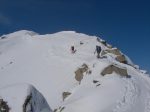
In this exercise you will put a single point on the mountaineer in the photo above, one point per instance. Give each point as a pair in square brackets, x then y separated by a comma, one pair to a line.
[98, 50]
[73, 49]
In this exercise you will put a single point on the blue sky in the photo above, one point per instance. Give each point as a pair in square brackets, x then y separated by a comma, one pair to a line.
[123, 23]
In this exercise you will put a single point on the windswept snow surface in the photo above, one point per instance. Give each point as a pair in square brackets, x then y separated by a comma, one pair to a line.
[46, 62]
[15, 95]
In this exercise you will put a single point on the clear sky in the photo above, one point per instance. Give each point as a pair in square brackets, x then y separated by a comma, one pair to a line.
[123, 23]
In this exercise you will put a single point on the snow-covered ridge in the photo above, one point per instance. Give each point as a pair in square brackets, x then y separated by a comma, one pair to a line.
[19, 34]
[74, 82]
[67, 32]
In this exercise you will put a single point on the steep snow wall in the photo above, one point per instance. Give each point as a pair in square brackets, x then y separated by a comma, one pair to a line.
[23, 98]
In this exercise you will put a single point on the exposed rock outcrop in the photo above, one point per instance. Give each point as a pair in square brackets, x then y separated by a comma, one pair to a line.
[121, 59]
[65, 95]
[4, 106]
[98, 85]
[3, 37]
[104, 43]
[81, 43]
[119, 56]
[114, 51]
[80, 72]
[109, 46]
[95, 81]
[112, 68]
[60, 109]
[28, 104]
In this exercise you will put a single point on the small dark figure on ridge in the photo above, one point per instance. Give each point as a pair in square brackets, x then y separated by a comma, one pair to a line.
[73, 49]
[98, 50]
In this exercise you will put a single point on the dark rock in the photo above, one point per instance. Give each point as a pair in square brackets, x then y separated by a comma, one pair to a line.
[90, 72]
[55, 110]
[65, 95]
[27, 104]
[104, 42]
[3, 37]
[11, 62]
[62, 109]
[98, 85]
[95, 81]
[98, 39]
[81, 43]
[4, 106]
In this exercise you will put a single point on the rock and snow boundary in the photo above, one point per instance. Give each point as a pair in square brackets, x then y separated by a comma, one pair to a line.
[69, 82]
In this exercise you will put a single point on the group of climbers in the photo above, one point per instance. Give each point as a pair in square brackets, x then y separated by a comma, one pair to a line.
[97, 50]
[101, 54]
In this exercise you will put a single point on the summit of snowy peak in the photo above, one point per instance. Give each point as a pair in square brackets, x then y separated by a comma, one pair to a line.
[67, 32]
[72, 33]
[25, 32]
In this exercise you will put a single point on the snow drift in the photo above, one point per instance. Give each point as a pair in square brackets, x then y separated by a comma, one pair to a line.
[23, 98]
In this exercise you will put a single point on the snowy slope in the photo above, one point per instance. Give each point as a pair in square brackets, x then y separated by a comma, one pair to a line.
[16, 96]
[46, 62]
